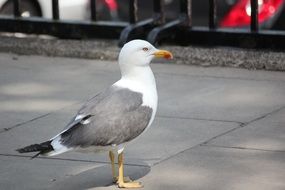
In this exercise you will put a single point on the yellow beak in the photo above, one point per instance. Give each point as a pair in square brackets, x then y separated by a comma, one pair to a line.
[163, 54]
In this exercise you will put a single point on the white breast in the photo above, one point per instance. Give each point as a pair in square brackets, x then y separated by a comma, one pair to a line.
[147, 87]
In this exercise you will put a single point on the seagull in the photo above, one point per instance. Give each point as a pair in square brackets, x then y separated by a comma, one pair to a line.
[114, 117]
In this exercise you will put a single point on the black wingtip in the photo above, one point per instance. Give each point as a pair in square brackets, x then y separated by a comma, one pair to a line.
[20, 150]
[41, 148]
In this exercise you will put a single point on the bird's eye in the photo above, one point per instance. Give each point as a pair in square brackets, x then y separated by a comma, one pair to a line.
[145, 49]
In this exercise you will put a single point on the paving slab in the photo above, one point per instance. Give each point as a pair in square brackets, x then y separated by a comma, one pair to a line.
[167, 137]
[211, 168]
[218, 98]
[19, 173]
[266, 134]
[34, 86]
[98, 177]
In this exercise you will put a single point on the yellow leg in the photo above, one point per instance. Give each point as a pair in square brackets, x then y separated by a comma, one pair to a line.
[112, 158]
[121, 182]
[114, 173]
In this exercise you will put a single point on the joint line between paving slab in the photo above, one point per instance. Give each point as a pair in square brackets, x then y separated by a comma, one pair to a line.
[242, 148]
[72, 160]
[36, 118]
[224, 133]
[244, 125]
[25, 122]
[265, 115]
[205, 142]
[198, 119]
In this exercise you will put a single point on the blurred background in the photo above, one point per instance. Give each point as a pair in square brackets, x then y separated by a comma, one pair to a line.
[230, 13]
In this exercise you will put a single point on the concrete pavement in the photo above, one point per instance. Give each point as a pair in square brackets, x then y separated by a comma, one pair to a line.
[216, 128]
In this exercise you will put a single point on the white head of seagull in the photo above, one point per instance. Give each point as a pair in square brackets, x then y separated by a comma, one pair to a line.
[136, 56]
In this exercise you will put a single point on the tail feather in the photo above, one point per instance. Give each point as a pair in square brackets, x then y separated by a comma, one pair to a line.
[42, 148]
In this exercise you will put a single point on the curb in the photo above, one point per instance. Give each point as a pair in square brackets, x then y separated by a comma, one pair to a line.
[108, 50]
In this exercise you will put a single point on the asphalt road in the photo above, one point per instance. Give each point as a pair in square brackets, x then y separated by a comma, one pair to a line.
[216, 128]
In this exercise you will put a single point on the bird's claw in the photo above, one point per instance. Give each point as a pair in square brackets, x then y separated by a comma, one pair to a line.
[132, 184]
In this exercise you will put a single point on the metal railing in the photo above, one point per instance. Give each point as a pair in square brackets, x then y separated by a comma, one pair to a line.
[154, 29]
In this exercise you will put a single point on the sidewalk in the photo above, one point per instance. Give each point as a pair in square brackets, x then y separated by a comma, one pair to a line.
[216, 128]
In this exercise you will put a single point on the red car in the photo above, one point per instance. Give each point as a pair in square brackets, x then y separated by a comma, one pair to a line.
[230, 13]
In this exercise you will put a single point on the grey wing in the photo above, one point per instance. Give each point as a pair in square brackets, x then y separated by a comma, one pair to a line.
[112, 117]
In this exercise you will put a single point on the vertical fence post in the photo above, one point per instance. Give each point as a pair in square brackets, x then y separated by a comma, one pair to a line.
[55, 10]
[186, 11]
[254, 15]
[93, 10]
[212, 14]
[133, 9]
[159, 11]
[16, 8]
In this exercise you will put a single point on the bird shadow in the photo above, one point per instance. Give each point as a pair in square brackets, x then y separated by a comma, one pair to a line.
[100, 176]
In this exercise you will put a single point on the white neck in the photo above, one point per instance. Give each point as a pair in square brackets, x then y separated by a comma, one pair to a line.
[142, 75]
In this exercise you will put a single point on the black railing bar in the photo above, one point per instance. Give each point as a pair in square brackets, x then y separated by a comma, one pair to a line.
[254, 15]
[212, 14]
[273, 40]
[64, 21]
[16, 10]
[167, 30]
[63, 28]
[133, 9]
[55, 10]
[93, 10]
[164, 31]
[158, 5]
[158, 10]
[186, 11]
[237, 31]
[140, 29]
